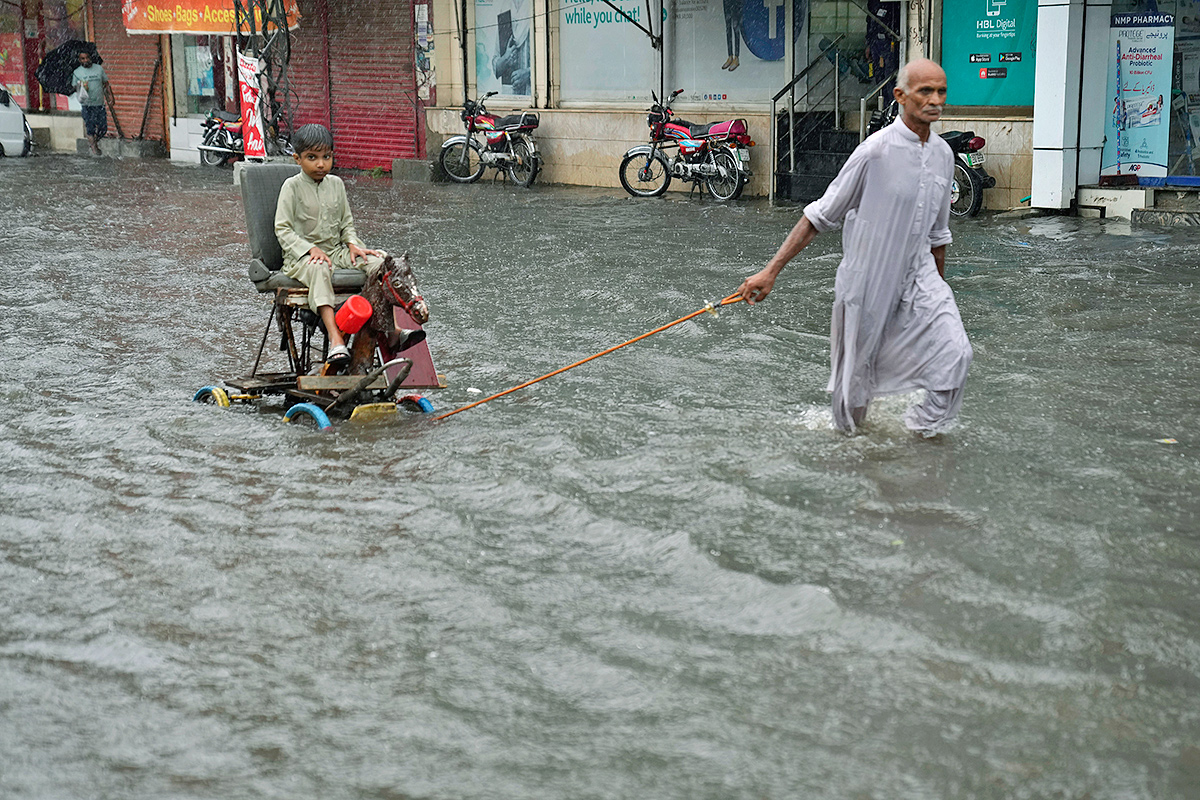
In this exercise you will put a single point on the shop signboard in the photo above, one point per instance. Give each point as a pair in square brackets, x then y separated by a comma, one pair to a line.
[987, 52]
[1136, 125]
[12, 66]
[502, 46]
[195, 17]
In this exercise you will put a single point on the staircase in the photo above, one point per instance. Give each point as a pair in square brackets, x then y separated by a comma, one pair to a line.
[805, 168]
[810, 142]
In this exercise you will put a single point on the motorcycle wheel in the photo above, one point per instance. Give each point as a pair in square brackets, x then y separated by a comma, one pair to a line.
[727, 183]
[525, 167]
[461, 162]
[966, 192]
[215, 138]
[645, 175]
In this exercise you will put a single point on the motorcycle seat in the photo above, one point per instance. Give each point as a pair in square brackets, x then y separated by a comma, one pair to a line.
[958, 139]
[516, 121]
[227, 116]
[260, 185]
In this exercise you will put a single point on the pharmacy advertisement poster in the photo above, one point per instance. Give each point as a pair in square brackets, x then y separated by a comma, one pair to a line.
[1136, 126]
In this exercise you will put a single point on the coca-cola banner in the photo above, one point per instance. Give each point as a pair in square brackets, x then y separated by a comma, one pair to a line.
[252, 124]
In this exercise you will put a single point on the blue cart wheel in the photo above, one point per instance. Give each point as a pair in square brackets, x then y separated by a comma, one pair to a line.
[417, 402]
[212, 395]
[313, 412]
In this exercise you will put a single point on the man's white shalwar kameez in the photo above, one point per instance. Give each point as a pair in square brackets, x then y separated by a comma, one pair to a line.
[895, 325]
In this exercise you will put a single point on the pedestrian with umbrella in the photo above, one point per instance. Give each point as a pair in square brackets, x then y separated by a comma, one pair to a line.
[92, 84]
[76, 66]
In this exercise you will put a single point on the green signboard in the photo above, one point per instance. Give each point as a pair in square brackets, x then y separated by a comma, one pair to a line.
[987, 51]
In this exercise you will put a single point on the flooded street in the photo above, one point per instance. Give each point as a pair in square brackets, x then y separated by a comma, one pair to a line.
[659, 575]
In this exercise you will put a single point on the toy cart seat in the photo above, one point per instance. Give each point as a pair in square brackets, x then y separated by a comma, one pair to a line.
[260, 194]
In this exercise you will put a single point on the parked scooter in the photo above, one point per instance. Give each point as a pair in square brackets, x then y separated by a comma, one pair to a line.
[507, 145]
[223, 139]
[715, 155]
[970, 178]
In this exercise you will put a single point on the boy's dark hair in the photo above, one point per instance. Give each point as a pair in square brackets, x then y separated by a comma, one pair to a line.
[312, 137]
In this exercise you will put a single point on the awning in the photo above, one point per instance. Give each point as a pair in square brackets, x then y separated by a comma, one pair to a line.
[196, 17]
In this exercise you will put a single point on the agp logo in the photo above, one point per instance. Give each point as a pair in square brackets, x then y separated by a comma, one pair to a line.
[994, 6]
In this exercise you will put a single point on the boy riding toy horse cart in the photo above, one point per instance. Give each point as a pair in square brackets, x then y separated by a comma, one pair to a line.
[320, 297]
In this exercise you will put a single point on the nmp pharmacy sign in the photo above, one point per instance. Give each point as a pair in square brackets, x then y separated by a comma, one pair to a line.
[987, 52]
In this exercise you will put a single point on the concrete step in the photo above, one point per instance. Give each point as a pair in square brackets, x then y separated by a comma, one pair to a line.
[802, 187]
[124, 148]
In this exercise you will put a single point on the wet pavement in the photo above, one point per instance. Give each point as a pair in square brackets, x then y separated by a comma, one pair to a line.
[659, 575]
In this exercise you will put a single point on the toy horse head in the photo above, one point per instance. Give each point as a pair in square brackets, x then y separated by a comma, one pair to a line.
[400, 288]
[388, 286]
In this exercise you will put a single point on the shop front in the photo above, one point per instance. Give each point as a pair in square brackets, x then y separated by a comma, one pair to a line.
[590, 67]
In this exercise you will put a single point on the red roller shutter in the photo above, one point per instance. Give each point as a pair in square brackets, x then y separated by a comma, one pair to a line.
[373, 82]
[308, 69]
[129, 62]
[352, 69]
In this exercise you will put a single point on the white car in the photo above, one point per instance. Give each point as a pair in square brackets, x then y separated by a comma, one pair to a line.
[16, 138]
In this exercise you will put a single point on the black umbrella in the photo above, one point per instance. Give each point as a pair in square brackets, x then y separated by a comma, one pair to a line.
[54, 73]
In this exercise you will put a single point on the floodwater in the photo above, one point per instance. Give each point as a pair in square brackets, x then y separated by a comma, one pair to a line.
[659, 575]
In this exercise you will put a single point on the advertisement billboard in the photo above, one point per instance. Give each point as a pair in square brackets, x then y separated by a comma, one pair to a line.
[732, 51]
[987, 52]
[12, 67]
[502, 46]
[1136, 129]
[591, 32]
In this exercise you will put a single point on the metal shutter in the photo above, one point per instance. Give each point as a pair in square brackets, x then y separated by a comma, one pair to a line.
[129, 62]
[372, 82]
[308, 69]
[367, 91]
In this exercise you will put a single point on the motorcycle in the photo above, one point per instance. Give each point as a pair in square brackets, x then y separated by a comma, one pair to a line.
[507, 145]
[970, 178]
[223, 139]
[715, 155]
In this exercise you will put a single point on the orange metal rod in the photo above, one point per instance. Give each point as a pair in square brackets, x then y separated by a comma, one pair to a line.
[733, 298]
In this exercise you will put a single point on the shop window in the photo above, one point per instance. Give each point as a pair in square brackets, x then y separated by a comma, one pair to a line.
[1153, 92]
[502, 46]
[27, 32]
[199, 65]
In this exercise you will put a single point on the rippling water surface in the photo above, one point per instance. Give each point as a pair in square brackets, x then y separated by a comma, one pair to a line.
[660, 575]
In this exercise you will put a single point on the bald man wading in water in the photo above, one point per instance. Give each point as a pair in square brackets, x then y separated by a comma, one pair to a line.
[895, 325]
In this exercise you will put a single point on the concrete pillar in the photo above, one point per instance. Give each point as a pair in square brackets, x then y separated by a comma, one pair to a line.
[1094, 100]
[1056, 102]
[1069, 102]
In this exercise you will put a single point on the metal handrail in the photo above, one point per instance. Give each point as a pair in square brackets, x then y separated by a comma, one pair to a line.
[804, 71]
[862, 104]
[773, 153]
